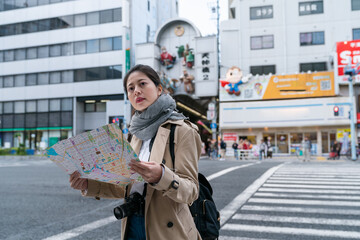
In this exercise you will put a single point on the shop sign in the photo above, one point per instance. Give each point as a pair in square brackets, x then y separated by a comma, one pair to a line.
[304, 85]
[348, 53]
[230, 137]
[205, 62]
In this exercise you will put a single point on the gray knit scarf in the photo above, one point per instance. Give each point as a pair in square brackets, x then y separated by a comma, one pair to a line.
[145, 124]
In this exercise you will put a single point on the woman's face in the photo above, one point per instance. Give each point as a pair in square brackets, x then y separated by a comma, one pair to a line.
[141, 91]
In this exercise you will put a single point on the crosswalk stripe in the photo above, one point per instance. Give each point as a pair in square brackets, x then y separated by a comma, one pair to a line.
[301, 210]
[318, 175]
[355, 173]
[262, 194]
[303, 190]
[309, 186]
[292, 231]
[240, 238]
[317, 179]
[314, 182]
[307, 220]
[304, 202]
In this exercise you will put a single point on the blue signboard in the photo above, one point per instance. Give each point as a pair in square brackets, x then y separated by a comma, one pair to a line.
[213, 125]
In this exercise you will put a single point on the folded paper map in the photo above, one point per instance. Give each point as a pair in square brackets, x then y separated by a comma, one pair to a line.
[102, 154]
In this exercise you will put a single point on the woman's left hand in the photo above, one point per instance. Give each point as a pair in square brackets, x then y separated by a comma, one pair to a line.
[151, 172]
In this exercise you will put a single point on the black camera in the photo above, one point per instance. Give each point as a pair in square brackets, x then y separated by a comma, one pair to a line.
[134, 204]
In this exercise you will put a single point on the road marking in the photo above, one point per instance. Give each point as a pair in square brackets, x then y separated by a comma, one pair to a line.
[298, 190]
[334, 182]
[286, 195]
[306, 220]
[301, 210]
[24, 163]
[292, 231]
[309, 186]
[225, 171]
[82, 229]
[243, 197]
[316, 179]
[304, 202]
[240, 238]
[318, 175]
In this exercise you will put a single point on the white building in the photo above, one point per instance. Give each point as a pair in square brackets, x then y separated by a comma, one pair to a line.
[62, 64]
[286, 37]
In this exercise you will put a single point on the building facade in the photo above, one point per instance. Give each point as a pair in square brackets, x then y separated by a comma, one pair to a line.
[62, 64]
[285, 42]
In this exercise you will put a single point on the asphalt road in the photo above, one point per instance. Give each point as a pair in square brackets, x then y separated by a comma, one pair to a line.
[266, 200]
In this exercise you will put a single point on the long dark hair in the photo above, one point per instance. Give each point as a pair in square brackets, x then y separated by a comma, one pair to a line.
[145, 69]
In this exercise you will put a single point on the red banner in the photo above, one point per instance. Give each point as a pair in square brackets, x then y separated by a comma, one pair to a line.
[348, 52]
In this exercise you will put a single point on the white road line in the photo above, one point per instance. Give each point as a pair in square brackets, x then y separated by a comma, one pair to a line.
[318, 176]
[297, 231]
[262, 194]
[82, 229]
[298, 190]
[301, 210]
[225, 171]
[243, 197]
[304, 202]
[306, 220]
[355, 173]
[316, 179]
[314, 182]
[240, 238]
[309, 186]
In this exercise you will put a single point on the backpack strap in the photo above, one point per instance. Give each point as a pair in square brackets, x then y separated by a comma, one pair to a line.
[172, 150]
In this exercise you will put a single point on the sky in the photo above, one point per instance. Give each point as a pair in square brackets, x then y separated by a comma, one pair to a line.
[199, 12]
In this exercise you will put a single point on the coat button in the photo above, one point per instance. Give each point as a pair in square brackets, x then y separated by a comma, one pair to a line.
[170, 224]
[163, 161]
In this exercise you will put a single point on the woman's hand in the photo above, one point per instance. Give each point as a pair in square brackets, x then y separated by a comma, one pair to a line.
[78, 183]
[151, 172]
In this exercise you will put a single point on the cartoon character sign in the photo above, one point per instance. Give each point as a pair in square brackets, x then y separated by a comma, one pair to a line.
[234, 78]
[187, 79]
[166, 58]
[258, 88]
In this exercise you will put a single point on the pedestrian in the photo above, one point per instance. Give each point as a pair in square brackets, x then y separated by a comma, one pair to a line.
[263, 148]
[222, 149]
[167, 193]
[307, 149]
[240, 146]
[207, 147]
[269, 148]
[236, 153]
[336, 148]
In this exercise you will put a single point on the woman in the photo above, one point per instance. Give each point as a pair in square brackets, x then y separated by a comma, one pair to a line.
[168, 194]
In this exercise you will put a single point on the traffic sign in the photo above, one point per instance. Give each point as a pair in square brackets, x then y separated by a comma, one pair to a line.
[213, 125]
[210, 115]
[125, 131]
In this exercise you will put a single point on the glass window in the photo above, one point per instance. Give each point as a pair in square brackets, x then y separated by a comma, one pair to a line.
[282, 143]
[356, 35]
[55, 1]
[117, 71]
[101, 107]
[66, 120]
[80, 75]
[54, 105]
[19, 107]
[312, 38]
[117, 14]
[42, 120]
[315, 7]
[268, 42]
[262, 42]
[255, 43]
[8, 107]
[66, 21]
[18, 28]
[117, 43]
[54, 121]
[92, 46]
[92, 74]
[20, 54]
[9, 29]
[9, 55]
[67, 76]
[93, 18]
[262, 69]
[89, 107]
[43, 78]
[30, 120]
[262, 12]
[43, 105]
[31, 3]
[355, 5]
[8, 81]
[43, 52]
[106, 16]
[319, 66]
[66, 104]
[55, 77]
[20, 80]
[55, 50]
[1, 56]
[66, 49]
[43, 2]
[31, 79]
[80, 47]
[318, 38]
[9, 4]
[31, 53]
[80, 20]
[44, 25]
[1, 108]
[30, 27]
[1, 83]
[106, 44]
[20, 3]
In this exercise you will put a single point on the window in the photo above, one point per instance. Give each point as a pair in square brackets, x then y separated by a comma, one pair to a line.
[44, 25]
[89, 107]
[8, 107]
[1, 84]
[266, 69]
[55, 50]
[66, 104]
[9, 55]
[147, 33]
[314, 7]
[43, 52]
[148, 5]
[262, 42]
[54, 105]
[92, 46]
[1, 56]
[19, 107]
[43, 105]
[117, 43]
[55, 77]
[43, 78]
[93, 18]
[0, 107]
[106, 16]
[20, 80]
[106, 44]
[30, 106]
[80, 47]
[312, 38]
[79, 75]
[67, 76]
[31, 79]
[31, 53]
[8, 81]
[317, 66]
[232, 13]
[43, 2]
[80, 20]
[20, 54]
[261, 12]
[117, 14]
[117, 71]
[95, 107]
[92, 74]
[356, 34]
[101, 107]
[66, 49]
[355, 5]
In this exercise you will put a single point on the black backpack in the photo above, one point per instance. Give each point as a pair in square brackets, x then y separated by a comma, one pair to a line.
[203, 209]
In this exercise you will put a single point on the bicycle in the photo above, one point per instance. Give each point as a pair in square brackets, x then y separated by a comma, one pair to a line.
[348, 154]
[297, 152]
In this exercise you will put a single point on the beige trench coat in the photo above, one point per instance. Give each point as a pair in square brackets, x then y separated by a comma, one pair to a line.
[167, 215]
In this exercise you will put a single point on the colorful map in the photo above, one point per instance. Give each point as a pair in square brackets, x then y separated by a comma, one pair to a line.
[102, 154]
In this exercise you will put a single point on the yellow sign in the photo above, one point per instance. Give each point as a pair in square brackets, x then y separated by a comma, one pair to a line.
[300, 86]
[341, 133]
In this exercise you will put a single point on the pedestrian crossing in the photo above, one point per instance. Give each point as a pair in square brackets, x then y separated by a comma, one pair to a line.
[24, 163]
[301, 201]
